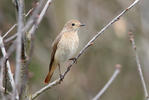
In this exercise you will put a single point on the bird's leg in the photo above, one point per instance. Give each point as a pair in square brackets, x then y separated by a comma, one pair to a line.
[60, 75]
[74, 59]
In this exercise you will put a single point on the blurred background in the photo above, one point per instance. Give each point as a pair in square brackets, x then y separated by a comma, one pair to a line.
[97, 64]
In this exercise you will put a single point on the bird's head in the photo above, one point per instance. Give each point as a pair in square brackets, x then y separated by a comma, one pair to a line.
[73, 25]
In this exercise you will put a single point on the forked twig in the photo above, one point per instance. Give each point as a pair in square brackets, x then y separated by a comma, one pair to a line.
[82, 51]
[15, 35]
[10, 74]
[32, 30]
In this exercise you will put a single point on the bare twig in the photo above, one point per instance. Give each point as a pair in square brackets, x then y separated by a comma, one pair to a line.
[28, 13]
[10, 74]
[1, 76]
[9, 30]
[10, 38]
[102, 91]
[32, 30]
[44, 89]
[5, 76]
[31, 21]
[83, 50]
[131, 36]
[15, 35]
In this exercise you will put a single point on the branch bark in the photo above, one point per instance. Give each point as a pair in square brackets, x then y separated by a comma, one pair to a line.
[58, 81]
[19, 47]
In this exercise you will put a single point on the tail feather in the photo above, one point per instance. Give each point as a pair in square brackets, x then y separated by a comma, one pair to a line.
[48, 78]
[50, 73]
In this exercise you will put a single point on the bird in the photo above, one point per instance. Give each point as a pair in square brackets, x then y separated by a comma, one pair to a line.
[64, 46]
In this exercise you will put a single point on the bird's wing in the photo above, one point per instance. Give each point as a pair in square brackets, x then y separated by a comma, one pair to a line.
[54, 48]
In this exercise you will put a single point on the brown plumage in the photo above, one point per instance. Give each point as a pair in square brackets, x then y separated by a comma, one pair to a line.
[52, 66]
[64, 46]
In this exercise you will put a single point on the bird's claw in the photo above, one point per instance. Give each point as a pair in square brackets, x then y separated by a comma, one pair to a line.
[74, 59]
[61, 77]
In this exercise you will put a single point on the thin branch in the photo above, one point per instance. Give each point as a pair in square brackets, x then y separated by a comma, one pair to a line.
[15, 35]
[102, 91]
[10, 38]
[9, 30]
[1, 76]
[131, 36]
[83, 50]
[36, 94]
[4, 60]
[32, 30]
[32, 20]
[7, 64]
[10, 74]
[29, 12]
[5, 76]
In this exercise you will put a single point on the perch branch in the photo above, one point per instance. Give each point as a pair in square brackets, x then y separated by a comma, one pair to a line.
[54, 83]
[131, 36]
[83, 50]
[102, 91]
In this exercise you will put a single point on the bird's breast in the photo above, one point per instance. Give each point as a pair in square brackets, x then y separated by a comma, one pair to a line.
[67, 47]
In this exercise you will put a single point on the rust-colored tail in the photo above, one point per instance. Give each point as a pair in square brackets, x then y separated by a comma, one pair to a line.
[50, 73]
[48, 77]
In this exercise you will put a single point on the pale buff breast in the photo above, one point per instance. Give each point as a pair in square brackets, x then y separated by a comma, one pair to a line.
[67, 47]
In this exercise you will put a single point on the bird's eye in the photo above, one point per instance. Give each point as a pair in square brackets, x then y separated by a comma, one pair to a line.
[73, 24]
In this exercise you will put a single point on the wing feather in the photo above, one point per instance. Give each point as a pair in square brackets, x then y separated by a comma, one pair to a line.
[54, 48]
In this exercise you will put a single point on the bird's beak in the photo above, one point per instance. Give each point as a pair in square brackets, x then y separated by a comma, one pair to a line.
[82, 25]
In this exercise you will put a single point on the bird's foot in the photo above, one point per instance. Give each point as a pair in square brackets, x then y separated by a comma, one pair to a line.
[61, 77]
[74, 59]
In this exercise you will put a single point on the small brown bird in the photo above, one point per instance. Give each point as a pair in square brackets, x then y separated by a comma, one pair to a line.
[64, 46]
